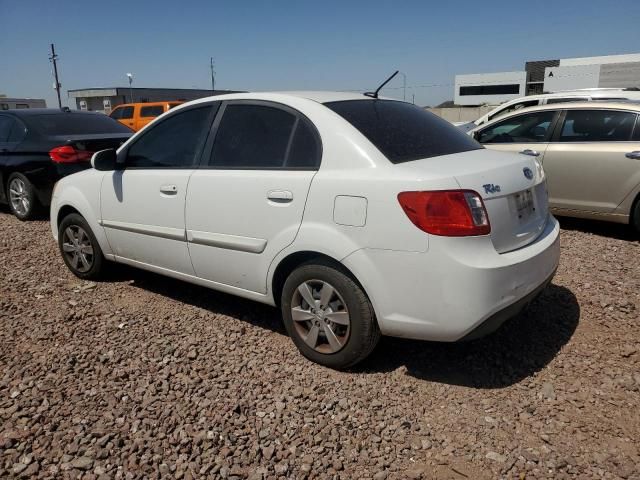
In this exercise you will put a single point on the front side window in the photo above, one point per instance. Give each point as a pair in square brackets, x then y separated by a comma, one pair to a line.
[262, 137]
[525, 128]
[116, 114]
[151, 111]
[172, 143]
[402, 131]
[597, 126]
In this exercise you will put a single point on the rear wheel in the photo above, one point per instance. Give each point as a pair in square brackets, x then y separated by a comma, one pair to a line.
[79, 248]
[328, 316]
[22, 197]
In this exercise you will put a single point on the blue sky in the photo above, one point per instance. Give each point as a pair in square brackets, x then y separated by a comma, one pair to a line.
[284, 45]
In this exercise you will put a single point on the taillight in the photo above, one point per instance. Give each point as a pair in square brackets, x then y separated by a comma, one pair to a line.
[452, 213]
[68, 154]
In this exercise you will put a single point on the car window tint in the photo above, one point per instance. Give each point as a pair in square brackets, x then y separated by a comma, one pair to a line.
[252, 136]
[172, 143]
[636, 132]
[5, 127]
[116, 114]
[526, 128]
[305, 148]
[75, 123]
[597, 126]
[401, 131]
[18, 131]
[151, 111]
[127, 113]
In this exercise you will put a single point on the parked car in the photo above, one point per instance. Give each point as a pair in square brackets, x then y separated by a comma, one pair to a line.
[137, 115]
[38, 146]
[590, 152]
[358, 216]
[580, 95]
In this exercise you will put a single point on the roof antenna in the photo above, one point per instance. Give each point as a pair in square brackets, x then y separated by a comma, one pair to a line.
[375, 94]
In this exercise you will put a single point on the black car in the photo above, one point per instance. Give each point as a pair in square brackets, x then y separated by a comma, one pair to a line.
[41, 145]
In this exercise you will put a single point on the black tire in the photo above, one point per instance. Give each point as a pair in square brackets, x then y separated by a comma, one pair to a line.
[23, 211]
[77, 224]
[363, 332]
[635, 216]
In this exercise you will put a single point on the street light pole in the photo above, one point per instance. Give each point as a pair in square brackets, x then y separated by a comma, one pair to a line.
[53, 58]
[130, 77]
[213, 78]
[404, 86]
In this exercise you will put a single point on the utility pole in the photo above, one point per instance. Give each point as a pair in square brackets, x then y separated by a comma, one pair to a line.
[52, 58]
[213, 78]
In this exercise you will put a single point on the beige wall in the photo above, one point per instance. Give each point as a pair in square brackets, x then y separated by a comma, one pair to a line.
[461, 114]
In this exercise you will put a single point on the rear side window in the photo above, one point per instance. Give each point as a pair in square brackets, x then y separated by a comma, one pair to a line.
[76, 124]
[262, 137]
[401, 131]
[5, 128]
[172, 143]
[597, 126]
[122, 113]
[526, 128]
[151, 111]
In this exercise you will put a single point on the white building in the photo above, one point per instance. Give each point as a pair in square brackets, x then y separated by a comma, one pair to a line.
[621, 71]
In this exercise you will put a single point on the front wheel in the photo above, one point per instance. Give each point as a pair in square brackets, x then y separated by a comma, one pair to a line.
[328, 316]
[79, 248]
[635, 216]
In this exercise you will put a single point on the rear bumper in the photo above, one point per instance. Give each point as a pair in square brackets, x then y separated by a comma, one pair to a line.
[496, 320]
[450, 292]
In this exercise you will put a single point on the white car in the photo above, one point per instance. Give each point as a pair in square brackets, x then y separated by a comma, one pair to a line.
[357, 216]
[580, 95]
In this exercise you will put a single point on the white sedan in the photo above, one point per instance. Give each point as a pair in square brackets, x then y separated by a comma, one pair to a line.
[357, 216]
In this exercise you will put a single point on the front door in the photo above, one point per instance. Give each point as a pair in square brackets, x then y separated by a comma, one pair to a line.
[587, 165]
[143, 204]
[246, 202]
[527, 133]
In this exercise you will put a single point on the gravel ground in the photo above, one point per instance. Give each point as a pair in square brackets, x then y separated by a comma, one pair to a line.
[147, 377]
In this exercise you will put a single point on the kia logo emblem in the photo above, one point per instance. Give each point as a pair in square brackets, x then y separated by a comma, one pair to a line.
[527, 173]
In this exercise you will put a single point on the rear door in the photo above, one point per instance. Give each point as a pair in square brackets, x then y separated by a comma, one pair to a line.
[143, 204]
[245, 203]
[527, 133]
[587, 164]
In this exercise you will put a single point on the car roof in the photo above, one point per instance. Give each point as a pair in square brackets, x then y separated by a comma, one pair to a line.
[316, 96]
[27, 112]
[593, 105]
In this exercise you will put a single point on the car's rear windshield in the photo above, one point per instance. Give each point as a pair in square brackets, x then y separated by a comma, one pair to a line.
[403, 132]
[76, 124]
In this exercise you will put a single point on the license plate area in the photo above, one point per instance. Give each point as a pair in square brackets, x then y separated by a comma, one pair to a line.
[524, 204]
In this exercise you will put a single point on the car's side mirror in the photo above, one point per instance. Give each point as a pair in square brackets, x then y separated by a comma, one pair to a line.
[476, 136]
[105, 160]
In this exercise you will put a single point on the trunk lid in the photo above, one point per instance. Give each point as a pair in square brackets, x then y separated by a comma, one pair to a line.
[512, 187]
[92, 142]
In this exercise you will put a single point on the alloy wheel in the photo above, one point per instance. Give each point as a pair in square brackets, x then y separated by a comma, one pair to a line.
[19, 197]
[320, 316]
[77, 248]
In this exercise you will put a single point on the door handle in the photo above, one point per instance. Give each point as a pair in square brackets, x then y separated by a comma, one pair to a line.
[531, 153]
[169, 189]
[633, 155]
[280, 196]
